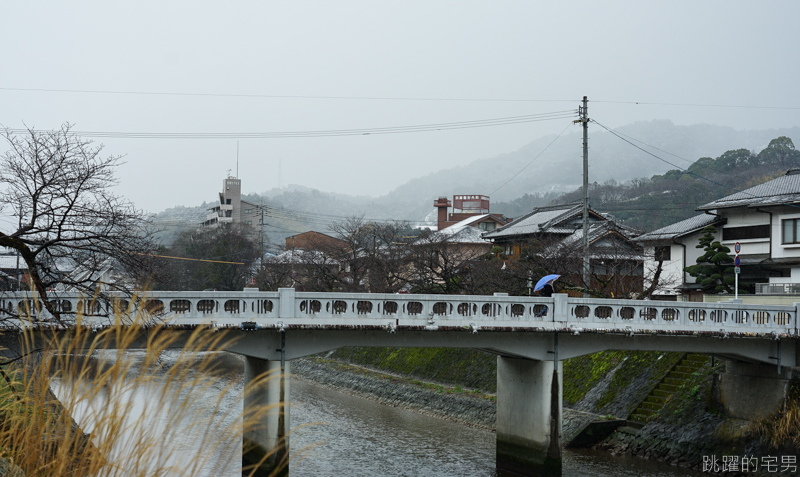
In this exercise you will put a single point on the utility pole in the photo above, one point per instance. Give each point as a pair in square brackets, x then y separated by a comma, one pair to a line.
[584, 118]
[19, 275]
[261, 231]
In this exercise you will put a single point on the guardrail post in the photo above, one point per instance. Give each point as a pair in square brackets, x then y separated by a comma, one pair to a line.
[286, 302]
[796, 315]
[560, 309]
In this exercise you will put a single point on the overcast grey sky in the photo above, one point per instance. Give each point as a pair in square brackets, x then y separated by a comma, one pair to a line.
[710, 52]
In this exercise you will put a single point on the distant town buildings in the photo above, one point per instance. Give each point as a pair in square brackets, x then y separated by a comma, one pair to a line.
[231, 209]
[474, 207]
[555, 235]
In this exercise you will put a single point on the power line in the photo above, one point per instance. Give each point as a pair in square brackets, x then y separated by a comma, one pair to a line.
[381, 98]
[479, 123]
[531, 162]
[189, 259]
[699, 105]
[286, 96]
[681, 168]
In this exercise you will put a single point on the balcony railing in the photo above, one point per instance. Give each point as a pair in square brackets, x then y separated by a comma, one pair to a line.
[777, 288]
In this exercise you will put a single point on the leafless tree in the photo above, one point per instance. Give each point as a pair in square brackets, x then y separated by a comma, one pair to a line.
[274, 272]
[440, 263]
[220, 257]
[71, 226]
[389, 256]
[617, 264]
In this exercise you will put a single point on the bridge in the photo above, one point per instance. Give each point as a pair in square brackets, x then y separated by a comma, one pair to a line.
[530, 336]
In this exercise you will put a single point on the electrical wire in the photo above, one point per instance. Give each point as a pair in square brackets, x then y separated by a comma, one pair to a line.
[479, 123]
[699, 105]
[674, 165]
[285, 96]
[382, 98]
[189, 259]
[531, 162]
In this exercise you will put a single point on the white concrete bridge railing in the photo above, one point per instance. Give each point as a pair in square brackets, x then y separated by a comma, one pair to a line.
[529, 335]
[289, 308]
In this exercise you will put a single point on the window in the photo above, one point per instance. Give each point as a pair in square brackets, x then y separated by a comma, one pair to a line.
[790, 232]
[663, 253]
[744, 233]
[486, 226]
[228, 201]
[248, 211]
[508, 250]
[249, 222]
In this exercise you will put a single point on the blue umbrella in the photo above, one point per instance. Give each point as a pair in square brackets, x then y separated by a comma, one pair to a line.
[544, 281]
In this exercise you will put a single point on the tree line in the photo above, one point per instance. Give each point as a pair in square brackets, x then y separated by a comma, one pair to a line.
[676, 194]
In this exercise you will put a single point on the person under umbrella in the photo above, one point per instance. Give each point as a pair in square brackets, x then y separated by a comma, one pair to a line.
[545, 284]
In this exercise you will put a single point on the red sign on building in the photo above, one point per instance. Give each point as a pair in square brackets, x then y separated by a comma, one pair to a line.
[474, 204]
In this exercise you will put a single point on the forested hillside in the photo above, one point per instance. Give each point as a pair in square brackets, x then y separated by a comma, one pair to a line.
[662, 199]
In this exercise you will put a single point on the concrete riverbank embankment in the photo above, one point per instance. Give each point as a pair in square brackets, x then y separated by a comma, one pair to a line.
[600, 391]
[452, 403]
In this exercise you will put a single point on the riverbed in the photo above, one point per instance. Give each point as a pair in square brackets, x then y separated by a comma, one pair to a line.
[339, 434]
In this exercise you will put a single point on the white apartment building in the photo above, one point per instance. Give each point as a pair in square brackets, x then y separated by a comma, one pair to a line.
[232, 209]
[764, 219]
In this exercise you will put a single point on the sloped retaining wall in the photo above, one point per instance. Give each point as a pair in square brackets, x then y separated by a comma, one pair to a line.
[464, 407]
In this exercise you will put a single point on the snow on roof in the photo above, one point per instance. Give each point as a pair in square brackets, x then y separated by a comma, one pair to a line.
[539, 220]
[679, 229]
[783, 190]
[10, 262]
[463, 232]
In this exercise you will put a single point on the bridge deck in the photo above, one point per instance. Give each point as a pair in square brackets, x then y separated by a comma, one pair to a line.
[288, 308]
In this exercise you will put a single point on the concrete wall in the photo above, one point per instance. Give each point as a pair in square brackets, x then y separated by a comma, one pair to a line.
[753, 391]
[671, 270]
[782, 300]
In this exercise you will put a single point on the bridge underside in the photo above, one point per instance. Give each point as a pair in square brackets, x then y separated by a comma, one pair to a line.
[266, 344]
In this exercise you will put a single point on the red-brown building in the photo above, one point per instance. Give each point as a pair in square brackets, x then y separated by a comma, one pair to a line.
[313, 241]
[465, 207]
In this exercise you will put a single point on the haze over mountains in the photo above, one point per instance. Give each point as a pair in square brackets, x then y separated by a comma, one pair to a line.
[558, 169]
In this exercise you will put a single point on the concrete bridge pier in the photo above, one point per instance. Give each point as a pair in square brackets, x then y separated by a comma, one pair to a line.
[529, 395]
[753, 391]
[267, 401]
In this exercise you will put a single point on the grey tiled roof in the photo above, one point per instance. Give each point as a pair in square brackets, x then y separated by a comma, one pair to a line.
[679, 229]
[536, 221]
[600, 229]
[783, 190]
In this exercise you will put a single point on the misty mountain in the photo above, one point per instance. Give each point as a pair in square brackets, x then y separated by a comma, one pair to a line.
[538, 180]
[560, 167]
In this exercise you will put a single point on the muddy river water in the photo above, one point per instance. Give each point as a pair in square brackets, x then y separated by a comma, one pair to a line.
[339, 434]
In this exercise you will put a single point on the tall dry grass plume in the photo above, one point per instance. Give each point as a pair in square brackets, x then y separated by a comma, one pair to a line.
[782, 431]
[180, 424]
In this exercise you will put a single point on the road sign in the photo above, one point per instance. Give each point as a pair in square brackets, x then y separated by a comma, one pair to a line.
[737, 262]
[737, 248]
[737, 270]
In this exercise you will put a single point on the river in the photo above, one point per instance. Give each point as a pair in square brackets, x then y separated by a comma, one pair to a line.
[339, 434]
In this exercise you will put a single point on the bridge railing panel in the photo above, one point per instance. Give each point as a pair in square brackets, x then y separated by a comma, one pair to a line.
[416, 310]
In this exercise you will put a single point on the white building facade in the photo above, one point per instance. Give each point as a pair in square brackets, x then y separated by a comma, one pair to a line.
[232, 209]
[764, 220]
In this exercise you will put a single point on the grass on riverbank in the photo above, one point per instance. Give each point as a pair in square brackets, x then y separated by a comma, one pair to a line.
[97, 377]
[399, 379]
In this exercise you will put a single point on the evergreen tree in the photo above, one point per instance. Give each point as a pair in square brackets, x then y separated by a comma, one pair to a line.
[714, 270]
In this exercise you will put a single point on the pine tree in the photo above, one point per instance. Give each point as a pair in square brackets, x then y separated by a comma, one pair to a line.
[714, 269]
